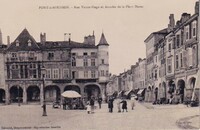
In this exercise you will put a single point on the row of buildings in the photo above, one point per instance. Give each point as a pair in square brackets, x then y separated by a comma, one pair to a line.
[171, 64]
[36, 71]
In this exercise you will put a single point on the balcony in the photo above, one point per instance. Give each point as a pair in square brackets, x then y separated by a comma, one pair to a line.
[32, 58]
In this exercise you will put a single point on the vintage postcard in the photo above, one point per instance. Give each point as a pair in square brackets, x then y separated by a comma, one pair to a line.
[99, 65]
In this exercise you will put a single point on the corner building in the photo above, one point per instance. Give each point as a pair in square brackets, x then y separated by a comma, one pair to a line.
[67, 65]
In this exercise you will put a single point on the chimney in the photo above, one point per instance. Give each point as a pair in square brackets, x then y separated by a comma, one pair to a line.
[184, 17]
[196, 10]
[42, 38]
[171, 24]
[8, 40]
[90, 39]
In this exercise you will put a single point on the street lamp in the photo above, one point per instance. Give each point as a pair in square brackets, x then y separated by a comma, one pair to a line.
[43, 70]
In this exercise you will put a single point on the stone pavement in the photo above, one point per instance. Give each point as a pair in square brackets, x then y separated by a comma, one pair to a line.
[189, 122]
[156, 118]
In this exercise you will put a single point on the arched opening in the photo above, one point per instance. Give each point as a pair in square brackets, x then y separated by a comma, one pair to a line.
[52, 93]
[2, 96]
[181, 89]
[73, 87]
[172, 87]
[92, 90]
[16, 94]
[33, 94]
[192, 82]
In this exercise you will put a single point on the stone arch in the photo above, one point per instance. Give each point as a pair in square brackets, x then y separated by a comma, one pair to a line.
[16, 94]
[2, 96]
[74, 87]
[181, 89]
[191, 82]
[33, 94]
[171, 87]
[92, 90]
[52, 93]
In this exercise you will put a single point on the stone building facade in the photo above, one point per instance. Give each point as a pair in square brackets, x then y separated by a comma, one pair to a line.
[38, 71]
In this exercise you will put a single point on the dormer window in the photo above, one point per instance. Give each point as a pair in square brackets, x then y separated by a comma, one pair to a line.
[17, 42]
[29, 42]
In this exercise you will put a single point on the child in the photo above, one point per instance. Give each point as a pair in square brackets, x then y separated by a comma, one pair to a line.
[132, 103]
[88, 107]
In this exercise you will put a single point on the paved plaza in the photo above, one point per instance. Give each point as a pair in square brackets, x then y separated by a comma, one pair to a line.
[145, 116]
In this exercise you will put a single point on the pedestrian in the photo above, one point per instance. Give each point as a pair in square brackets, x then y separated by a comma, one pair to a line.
[124, 105]
[99, 102]
[110, 104]
[132, 103]
[88, 107]
[92, 104]
[118, 105]
[64, 104]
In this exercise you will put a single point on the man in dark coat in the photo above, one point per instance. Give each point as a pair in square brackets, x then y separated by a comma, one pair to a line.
[99, 101]
[92, 104]
[124, 105]
[110, 104]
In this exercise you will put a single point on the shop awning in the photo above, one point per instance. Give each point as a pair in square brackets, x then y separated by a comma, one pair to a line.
[127, 92]
[140, 91]
[120, 92]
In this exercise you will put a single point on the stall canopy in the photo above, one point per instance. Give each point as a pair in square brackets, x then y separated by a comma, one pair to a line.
[128, 92]
[140, 91]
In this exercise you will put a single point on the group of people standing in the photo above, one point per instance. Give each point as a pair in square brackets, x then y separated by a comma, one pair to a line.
[119, 102]
[91, 105]
[121, 108]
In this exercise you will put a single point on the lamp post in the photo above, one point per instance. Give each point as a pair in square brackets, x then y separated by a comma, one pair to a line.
[43, 70]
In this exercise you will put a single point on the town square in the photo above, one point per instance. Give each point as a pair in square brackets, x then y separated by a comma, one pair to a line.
[125, 65]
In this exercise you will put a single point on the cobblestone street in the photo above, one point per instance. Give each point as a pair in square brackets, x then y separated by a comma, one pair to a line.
[145, 116]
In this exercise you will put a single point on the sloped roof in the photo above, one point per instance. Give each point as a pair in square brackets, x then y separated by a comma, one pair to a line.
[23, 39]
[64, 44]
[103, 40]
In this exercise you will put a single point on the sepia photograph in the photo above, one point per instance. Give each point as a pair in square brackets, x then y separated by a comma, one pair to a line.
[99, 65]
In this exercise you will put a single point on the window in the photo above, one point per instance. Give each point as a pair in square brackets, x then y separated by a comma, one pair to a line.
[85, 53]
[29, 42]
[93, 53]
[17, 42]
[92, 62]
[55, 73]
[85, 74]
[169, 47]
[169, 65]
[107, 73]
[14, 55]
[187, 32]
[85, 62]
[102, 73]
[93, 74]
[48, 75]
[155, 74]
[102, 61]
[50, 55]
[194, 29]
[73, 54]
[74, 74]
[65, 73]
[177, 40]
[181, 58]
[177, 62]
[73, 61]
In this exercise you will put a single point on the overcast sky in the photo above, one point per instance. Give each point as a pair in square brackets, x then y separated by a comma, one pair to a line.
[125, 28]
